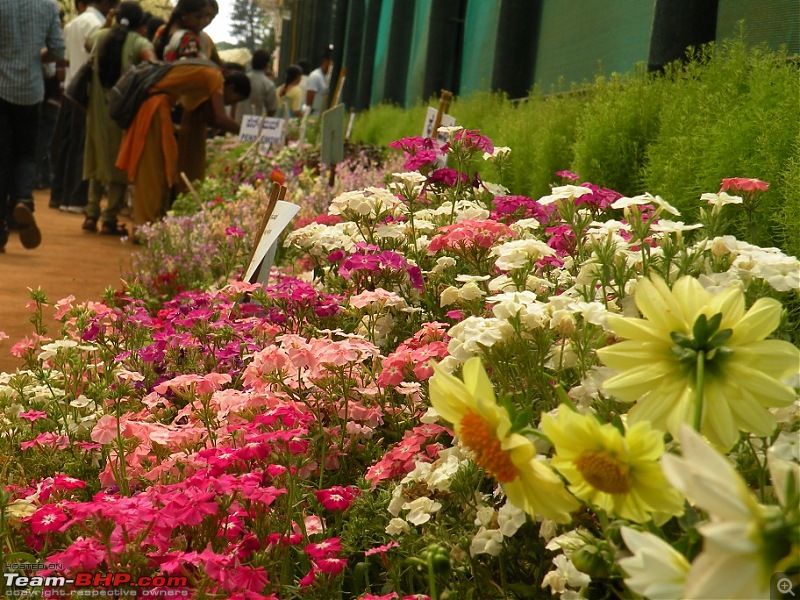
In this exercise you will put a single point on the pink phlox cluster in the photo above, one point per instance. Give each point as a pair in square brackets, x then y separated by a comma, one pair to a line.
[470, 233]
[418, 444]
[473, 141]
[413, 358]
[599, 199]
[418, 151]
[509, 209]
[48, 439]
[369, 267]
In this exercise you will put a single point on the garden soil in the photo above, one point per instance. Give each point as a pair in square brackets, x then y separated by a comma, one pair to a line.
[68, 261]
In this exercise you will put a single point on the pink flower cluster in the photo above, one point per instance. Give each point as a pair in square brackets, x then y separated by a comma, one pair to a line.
[418, 444]
[470, 233]
[419, 152]
[414, 358]
[370, 267]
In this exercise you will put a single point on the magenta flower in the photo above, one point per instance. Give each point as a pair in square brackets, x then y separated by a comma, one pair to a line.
[32, 415]
[324, 549]
[47, 519]
[337, 497]
[569, 175]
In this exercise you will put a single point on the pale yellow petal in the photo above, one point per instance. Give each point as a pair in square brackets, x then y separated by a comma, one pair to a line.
[775, 358]
[636, 329]
[449, 396]
[730, 303]
[691, 297]
[761, 320]
[624, 355]
[656, 303]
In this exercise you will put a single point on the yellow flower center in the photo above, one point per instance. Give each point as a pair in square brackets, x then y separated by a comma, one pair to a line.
[478, 435]
[603, 472]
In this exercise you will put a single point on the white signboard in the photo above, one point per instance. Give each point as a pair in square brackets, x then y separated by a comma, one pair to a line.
[427, 131]
[283, 213]
[430, 119]
[268, 129]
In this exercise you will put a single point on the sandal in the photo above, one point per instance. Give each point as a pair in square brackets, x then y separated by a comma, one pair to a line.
[90, 224]
[113, 228]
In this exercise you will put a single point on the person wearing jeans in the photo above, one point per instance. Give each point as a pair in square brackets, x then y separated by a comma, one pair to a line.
[31, 32]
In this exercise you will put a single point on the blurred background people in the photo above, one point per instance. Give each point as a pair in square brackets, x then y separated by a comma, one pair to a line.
[116, 50]
[31, 33]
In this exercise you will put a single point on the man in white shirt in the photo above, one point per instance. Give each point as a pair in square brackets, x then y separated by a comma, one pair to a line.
[69, 191]
[317, 86]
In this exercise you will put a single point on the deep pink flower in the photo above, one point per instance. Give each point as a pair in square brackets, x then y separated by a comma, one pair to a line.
[32, 415]
[336, 497]
[48, 518]
[323, 549]
[571, 176]
[332, 566]
[244, 578]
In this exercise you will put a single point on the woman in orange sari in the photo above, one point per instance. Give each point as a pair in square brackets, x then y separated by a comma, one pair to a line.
[149, 152]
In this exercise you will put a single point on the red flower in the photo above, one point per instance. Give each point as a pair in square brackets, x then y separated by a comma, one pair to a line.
[743, 184]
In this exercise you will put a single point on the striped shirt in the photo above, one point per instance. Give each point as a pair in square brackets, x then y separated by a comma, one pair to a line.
[27, 26]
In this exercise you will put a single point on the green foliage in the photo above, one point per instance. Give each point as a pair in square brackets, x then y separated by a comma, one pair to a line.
[727, 111]
[615, 130]
[730, 112]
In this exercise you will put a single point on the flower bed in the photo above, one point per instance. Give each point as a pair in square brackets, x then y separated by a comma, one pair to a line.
[446, 391]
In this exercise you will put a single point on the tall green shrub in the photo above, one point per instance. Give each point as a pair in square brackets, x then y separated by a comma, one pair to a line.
[730, 112]
[615, 130]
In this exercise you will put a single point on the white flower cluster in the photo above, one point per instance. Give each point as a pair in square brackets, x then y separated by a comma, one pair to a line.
[437, 477]
[494, 526]
[517, 254]
[370, 203]
[780, 271]
[319, 240]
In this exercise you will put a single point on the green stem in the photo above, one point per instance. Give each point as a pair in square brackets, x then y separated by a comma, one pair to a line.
[432, 580]
[700, 377]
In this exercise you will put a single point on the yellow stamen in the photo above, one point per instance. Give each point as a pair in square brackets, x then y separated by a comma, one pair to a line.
[603, 472]
[478, 435]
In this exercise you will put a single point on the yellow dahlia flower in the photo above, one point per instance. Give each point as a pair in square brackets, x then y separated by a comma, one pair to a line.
[484, 428]
[689, 336]
[620, 474]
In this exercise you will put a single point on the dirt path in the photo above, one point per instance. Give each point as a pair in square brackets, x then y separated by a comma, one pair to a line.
[68, 261]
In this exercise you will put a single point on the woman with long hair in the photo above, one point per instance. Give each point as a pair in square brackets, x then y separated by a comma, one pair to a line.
[115, 51]
[182, 37]
[149, 151]
[290, 93]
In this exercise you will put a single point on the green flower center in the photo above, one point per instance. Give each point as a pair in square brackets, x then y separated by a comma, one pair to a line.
[706, 337]
[603, 471]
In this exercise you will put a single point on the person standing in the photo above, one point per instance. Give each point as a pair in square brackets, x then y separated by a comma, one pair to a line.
[317, 86]
[263, 98]
[149, 150]
[31, 32]
[116, 50]
[69, 191]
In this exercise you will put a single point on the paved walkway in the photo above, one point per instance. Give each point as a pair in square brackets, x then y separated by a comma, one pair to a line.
[68, 261]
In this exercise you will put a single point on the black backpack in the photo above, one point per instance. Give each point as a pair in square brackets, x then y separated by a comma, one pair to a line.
[133, 88]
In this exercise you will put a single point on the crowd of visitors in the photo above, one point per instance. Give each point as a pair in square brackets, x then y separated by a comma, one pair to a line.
[79, 152]
[73, 147]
